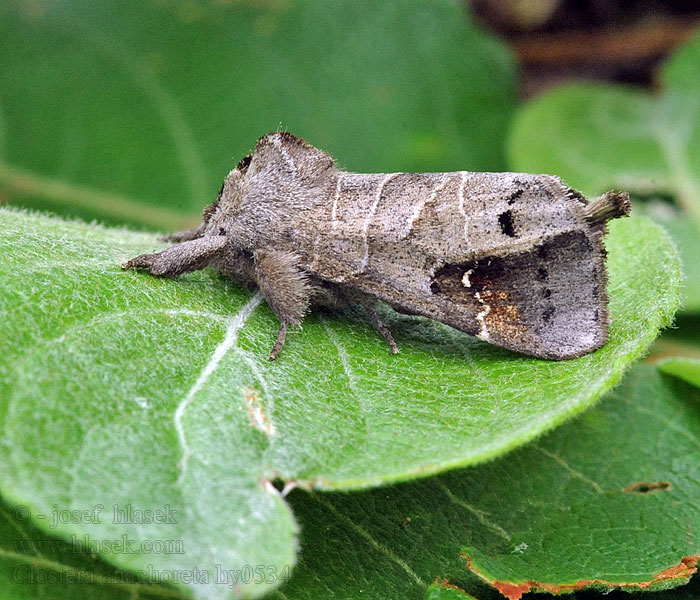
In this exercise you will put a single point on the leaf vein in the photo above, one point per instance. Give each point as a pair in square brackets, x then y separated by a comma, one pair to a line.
[479, 514]
[235, 322]
[573, 472]
[371, 540]
[352, 383]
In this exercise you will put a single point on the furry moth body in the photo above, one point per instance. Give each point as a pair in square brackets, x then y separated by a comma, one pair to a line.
[514, 259]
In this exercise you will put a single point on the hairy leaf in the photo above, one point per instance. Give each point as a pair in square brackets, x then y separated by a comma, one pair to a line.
[391, 543]
[37, 566]
[444, 591]
[117, 388]
[169, 96]
[598, 137]
[611, 500]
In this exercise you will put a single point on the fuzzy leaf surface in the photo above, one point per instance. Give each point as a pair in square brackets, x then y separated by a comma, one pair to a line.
[395, 541]
[609, 501]
[36, 566]
[598, 137]
[117, 388]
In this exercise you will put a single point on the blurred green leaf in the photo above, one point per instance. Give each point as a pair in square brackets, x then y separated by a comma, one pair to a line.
[134, 111]
[608, 501]
[683, 339]
[598, 137]
[120, 388]
[687, 369]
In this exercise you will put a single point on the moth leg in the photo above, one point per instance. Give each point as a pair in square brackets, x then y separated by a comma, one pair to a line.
[281, 336]
[188, 256]
[185, 235]
[384, 330]
[198, 231]
[366, 304]
[285, 287]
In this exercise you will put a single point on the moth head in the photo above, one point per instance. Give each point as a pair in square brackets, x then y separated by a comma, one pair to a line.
[219, 215]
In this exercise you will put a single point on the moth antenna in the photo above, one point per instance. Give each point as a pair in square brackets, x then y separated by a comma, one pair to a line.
[608, 206]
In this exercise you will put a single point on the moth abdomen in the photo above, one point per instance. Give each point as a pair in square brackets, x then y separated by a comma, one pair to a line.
[608, 206]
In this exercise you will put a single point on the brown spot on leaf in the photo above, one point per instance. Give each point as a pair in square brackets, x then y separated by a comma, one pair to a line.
[256, 412]
[445, 583]
[644, 487]
[686, 568]
[512, 591]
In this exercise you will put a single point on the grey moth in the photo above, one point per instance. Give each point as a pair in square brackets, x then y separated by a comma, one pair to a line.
[515, 259]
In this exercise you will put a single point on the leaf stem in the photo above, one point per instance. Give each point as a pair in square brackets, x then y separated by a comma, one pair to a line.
[26, 183]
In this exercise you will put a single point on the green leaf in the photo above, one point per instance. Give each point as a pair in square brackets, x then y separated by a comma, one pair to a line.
[169, 96]
[610, 500]
[117, 388]
[392, 542]
[598, 137]
[443, 591]
[35, 566]
[687, 369]
[683, 339]
[614, 504]
[29, 560]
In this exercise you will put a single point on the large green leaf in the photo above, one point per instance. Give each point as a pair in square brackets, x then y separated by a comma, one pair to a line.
[610, 500]
[121, 109]
[598, 137]
[34, 566]
[120, 388]
[537, 516]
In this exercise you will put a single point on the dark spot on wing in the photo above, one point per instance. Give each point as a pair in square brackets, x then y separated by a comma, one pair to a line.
[448, 281]
[514, 196]
[547, 314]
[505, 220]
[536, 297]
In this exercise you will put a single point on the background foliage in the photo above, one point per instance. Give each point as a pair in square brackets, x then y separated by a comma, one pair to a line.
[132, 113]
[149, 105]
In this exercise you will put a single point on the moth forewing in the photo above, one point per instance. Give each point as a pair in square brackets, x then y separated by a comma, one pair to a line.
[515, 259]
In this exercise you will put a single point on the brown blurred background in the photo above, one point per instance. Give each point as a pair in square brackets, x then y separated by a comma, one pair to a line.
[604, 40]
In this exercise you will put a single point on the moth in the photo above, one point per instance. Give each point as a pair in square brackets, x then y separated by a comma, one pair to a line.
[515, 259]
